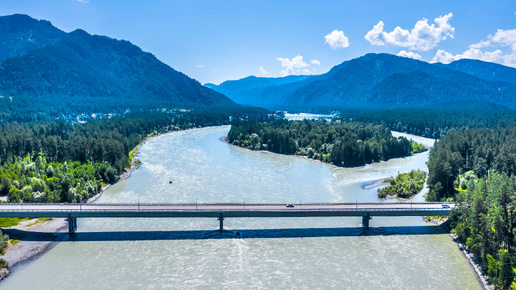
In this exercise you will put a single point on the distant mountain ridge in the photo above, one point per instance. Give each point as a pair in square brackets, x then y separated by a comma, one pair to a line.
[84, 72]
[241, 91]
[484, 70]
[388, 81]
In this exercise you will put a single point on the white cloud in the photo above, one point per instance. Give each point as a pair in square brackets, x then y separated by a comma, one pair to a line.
[481, 44]
[262, 71]
[502, 40]
[505, 38]
[295, 62]
[422, 37]
[200, 66]
[292, 66]
[315, 62]
[337, 39]
[375, 35]
[409, 54]
[443, 56]
[83, 1]
[495, 56]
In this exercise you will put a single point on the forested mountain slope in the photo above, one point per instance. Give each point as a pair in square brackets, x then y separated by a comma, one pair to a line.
[389, 81]
[484, 70]
[80, 72]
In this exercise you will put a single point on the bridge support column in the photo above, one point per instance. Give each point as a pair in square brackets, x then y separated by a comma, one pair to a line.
[72, 225]
[221, 223]
[365, 222]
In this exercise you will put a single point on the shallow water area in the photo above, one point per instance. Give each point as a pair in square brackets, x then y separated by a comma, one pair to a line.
[306, 253]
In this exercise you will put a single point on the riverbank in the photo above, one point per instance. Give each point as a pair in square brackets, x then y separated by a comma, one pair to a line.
[40, 236]
[336, 158]
[376, 182]
[379, 182]
[35, 237]
[199, 163]
[472, 260]
[135, 164]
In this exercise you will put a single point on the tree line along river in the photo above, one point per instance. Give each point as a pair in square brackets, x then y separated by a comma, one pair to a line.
[300, 253]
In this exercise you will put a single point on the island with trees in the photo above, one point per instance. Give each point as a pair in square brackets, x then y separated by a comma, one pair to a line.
[340, 143]
[404, 185]
[473, 164]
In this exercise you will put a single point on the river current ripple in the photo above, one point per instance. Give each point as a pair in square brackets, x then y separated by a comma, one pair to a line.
[293, 253]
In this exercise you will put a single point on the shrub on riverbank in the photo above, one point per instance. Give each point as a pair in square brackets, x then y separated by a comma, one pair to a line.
[37, 180]
[418, 148]
[9, 222]
[3, 264]
[404, 185]
[4, 241]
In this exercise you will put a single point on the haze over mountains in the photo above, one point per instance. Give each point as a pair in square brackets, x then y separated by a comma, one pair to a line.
[251, 89]
[383, 81]
[81, 72]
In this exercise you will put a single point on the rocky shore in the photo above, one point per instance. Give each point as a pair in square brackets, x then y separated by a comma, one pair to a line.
[472, 260]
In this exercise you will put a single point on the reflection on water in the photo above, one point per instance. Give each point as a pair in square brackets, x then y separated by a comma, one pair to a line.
[326, 252]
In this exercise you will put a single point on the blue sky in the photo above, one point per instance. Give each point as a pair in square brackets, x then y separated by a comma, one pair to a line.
[213, 41]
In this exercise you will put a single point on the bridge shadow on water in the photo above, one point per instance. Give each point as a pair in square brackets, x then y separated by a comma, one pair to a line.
[226, 234]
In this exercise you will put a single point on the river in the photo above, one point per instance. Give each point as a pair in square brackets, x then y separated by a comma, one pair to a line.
[296, 253]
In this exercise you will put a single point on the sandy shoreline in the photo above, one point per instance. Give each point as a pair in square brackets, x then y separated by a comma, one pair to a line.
[379, 182]
[27, 250]
[50, 232]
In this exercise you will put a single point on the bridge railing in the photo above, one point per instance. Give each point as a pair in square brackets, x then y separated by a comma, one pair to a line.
[218, 210]
[226, 204]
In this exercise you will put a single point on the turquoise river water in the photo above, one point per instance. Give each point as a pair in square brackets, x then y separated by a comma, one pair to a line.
[253, 253]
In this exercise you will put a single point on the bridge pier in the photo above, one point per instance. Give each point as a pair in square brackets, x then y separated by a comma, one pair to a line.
[221, 223]
[72, 225]
[365, 222]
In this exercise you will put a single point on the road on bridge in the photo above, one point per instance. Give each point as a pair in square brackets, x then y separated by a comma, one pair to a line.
[72, 207]
[221, 211]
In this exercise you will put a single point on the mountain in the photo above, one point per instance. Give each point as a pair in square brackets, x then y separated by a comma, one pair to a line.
[384, 80]
[20, 34]
[80, 72]
[484, 70]
[248, 90]
[387, 80]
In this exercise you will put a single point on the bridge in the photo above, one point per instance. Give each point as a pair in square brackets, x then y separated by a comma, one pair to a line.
[220, 210]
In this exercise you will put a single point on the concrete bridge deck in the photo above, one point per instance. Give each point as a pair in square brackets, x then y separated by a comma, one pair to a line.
[221, 210]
